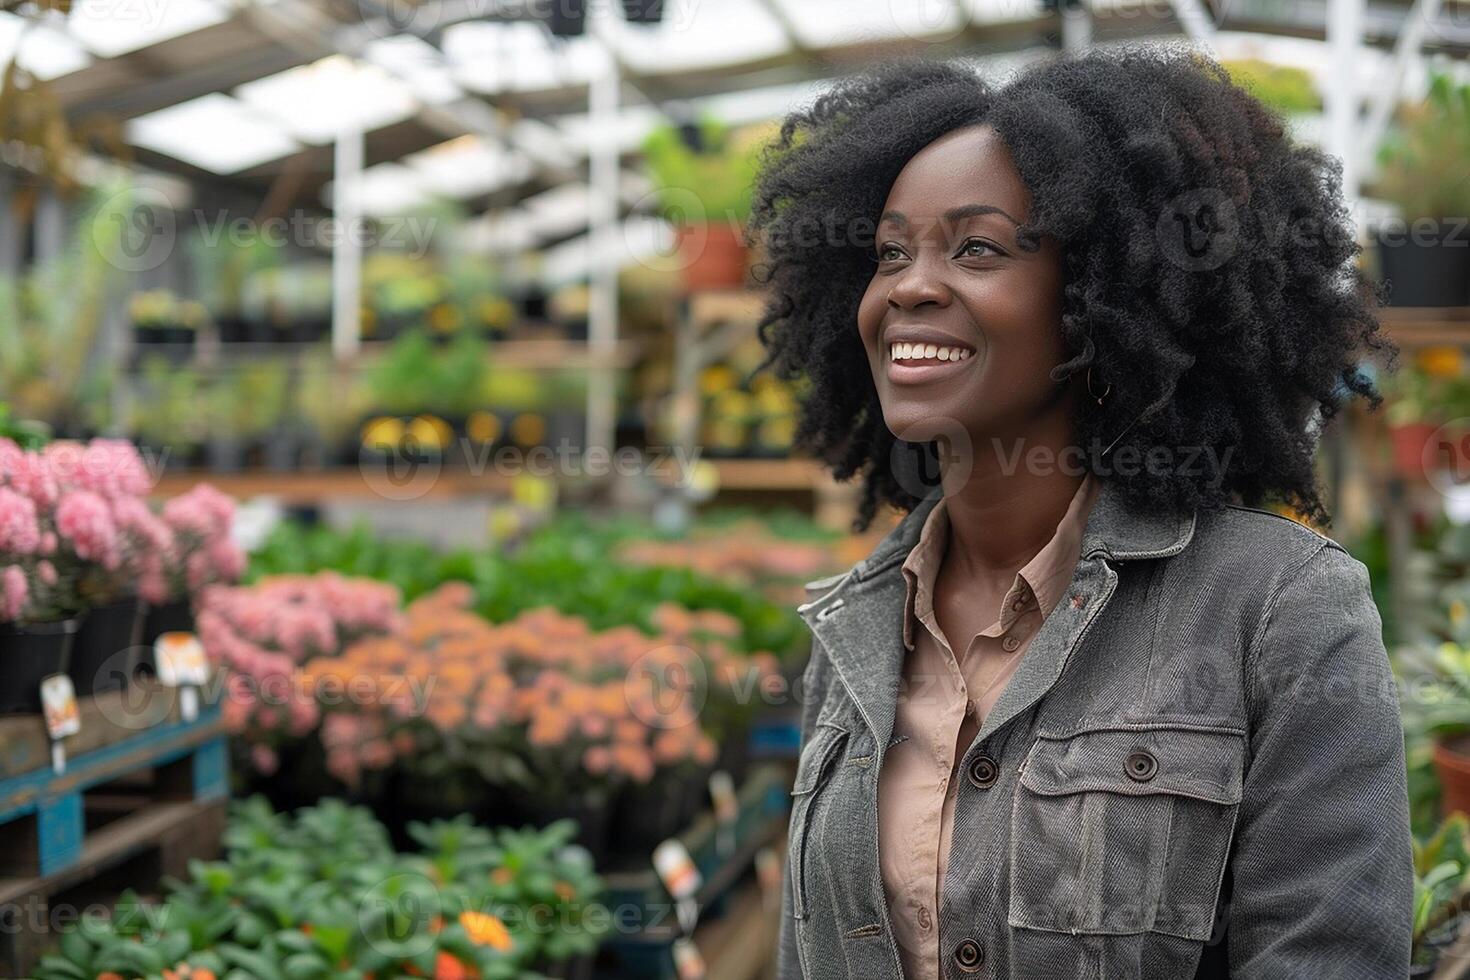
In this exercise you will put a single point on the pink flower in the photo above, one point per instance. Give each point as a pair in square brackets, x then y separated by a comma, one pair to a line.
[264, 759]
[19, 531]
[28, 474]
[15, 592]
[84, 519]
[46, 572]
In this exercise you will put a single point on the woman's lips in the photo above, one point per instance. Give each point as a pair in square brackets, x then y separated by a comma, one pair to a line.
[917, 363]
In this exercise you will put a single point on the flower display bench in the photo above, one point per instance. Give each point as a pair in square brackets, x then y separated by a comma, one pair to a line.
[142, 792]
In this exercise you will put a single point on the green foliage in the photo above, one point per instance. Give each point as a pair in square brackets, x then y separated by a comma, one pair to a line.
[23, 432]
[565, 566]
[416, 376]
[1285, 88]
[1441, 861]
[1423, 161]
[703, 187]
[323, 895]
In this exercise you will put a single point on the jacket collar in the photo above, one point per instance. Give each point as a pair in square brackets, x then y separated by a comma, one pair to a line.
[1115, 528]
[860, 620]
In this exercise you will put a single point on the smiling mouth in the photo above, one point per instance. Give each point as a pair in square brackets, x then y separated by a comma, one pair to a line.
[901, 353]
[915, 363]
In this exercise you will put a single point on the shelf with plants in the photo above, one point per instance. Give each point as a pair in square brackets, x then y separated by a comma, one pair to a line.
[324, 893]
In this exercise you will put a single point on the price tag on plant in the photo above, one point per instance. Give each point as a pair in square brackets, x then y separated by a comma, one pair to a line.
[768, 876]
[676, 868]
[727, 809]
[688, 963]
[180, 659]
[59, 706]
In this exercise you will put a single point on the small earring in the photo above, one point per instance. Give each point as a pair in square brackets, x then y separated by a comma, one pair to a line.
[1096, 397]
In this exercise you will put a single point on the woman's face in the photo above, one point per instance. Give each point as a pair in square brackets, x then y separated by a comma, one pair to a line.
[962, 326]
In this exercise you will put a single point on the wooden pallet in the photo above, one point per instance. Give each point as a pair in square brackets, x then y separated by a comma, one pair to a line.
[143, 791]
[139, 735]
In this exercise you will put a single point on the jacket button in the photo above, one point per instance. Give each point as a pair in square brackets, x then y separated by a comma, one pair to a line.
[1010, 643]
[1142, 766]
[968, 955]
[983, 771]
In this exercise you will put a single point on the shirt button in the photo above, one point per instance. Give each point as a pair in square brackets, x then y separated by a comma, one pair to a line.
[983, 771]
[1019, 604]
[1010, 643]
[924, 920]
[968, 955]
[970, 707]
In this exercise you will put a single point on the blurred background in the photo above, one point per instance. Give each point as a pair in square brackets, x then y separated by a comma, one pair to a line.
[399, 556]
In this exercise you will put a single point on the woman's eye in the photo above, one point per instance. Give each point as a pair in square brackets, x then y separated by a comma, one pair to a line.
[889, 253]
[975, 248]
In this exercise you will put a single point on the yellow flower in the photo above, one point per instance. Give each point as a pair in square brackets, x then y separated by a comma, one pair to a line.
[485, 930]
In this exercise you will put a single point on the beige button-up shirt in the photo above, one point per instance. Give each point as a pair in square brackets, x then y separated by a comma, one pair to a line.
[940, 707]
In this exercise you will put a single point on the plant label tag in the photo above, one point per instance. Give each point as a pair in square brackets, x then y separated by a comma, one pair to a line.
[189, 702]
[686, 910]
[768, 871]
[676, 868]
[59, 705]
[688, 964]
[180, 659]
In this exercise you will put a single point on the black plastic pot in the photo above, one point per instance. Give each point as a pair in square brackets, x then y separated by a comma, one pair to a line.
[171, 617]
[1425, 264]
[28, 653]
[105, 645]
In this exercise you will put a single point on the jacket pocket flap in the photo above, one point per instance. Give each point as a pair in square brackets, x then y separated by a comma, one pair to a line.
[1206, 763]
[826, 739]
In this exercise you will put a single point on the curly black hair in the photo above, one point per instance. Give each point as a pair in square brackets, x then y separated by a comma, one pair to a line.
[1244, 342]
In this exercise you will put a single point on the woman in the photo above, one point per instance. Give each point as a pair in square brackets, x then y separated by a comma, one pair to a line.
[1086, 711]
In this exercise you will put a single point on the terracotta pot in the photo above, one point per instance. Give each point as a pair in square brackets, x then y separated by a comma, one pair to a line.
[1408, 448]
[1452, 765]
[712, 256]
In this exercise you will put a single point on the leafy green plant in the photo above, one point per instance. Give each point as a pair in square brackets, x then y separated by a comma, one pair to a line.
[704, 172]
[1285, 88]
[1441, 889]
[1423, 161]
[322, 894]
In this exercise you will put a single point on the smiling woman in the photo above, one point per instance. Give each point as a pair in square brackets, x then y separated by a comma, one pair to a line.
[1069, 718]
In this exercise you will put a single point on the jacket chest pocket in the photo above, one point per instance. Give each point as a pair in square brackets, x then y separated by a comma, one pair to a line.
[813, 772]
[1125, 829]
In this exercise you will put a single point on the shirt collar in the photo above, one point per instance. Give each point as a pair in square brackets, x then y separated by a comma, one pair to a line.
[1046, 575]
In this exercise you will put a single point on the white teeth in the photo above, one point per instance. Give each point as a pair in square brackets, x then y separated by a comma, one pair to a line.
[908, 352]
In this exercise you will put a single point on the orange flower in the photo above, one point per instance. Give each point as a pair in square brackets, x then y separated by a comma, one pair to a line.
[447, 967]
[500, 876]
[485, 930]
[564, 891]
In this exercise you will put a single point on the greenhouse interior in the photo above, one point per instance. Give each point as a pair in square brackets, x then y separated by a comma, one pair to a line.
[405, 541]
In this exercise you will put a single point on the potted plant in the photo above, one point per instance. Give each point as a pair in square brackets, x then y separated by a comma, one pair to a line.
[108, 483]
[1426, 258]
[223, 263]
[203, 553]
[704, 174]
[164, 413]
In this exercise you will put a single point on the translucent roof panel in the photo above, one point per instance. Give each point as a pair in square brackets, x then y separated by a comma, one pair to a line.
[490, 57]
[316, 101]
[698, 34]
[111, 29]
[467, 166]
[387, 189]
[415, 62]
[823, 23]
[215, 132]
[46, 52]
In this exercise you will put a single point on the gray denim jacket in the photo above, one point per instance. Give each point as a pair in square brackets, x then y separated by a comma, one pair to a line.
[1196, 770]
